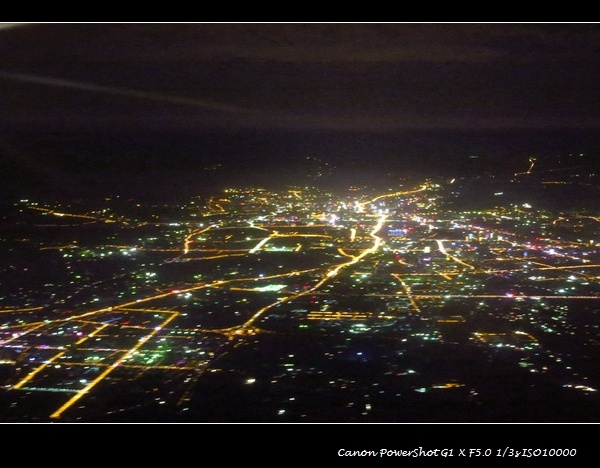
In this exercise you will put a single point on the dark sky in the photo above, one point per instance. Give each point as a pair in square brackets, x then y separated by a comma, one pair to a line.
[191, 92]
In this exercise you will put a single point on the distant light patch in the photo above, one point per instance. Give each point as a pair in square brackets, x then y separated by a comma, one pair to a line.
[271, 287]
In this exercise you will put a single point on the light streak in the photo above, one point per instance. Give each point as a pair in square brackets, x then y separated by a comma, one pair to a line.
[131, 93]
[443, 250]
[258, 246]
[58, 413]
[408, 293]
[329, 274]
[33, 373]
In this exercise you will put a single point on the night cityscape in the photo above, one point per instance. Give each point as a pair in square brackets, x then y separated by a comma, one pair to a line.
[300, 223]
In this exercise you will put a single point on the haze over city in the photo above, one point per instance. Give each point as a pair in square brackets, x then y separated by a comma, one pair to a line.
[300, 223]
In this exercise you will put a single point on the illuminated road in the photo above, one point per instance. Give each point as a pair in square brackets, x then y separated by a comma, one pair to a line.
[241, 329]
[395, 194]
[32, 374]
[16, 309]
[380, 273]
[70, 215]
[57, 414]
[486, 296]
[32, 326]
[408, 292]
[443, 250]
[189, 238]
[370, 250]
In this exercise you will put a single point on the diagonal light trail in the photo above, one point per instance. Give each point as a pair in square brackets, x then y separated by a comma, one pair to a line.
[13, 25]
[326, 277]
[127, 92]
[57, 414]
